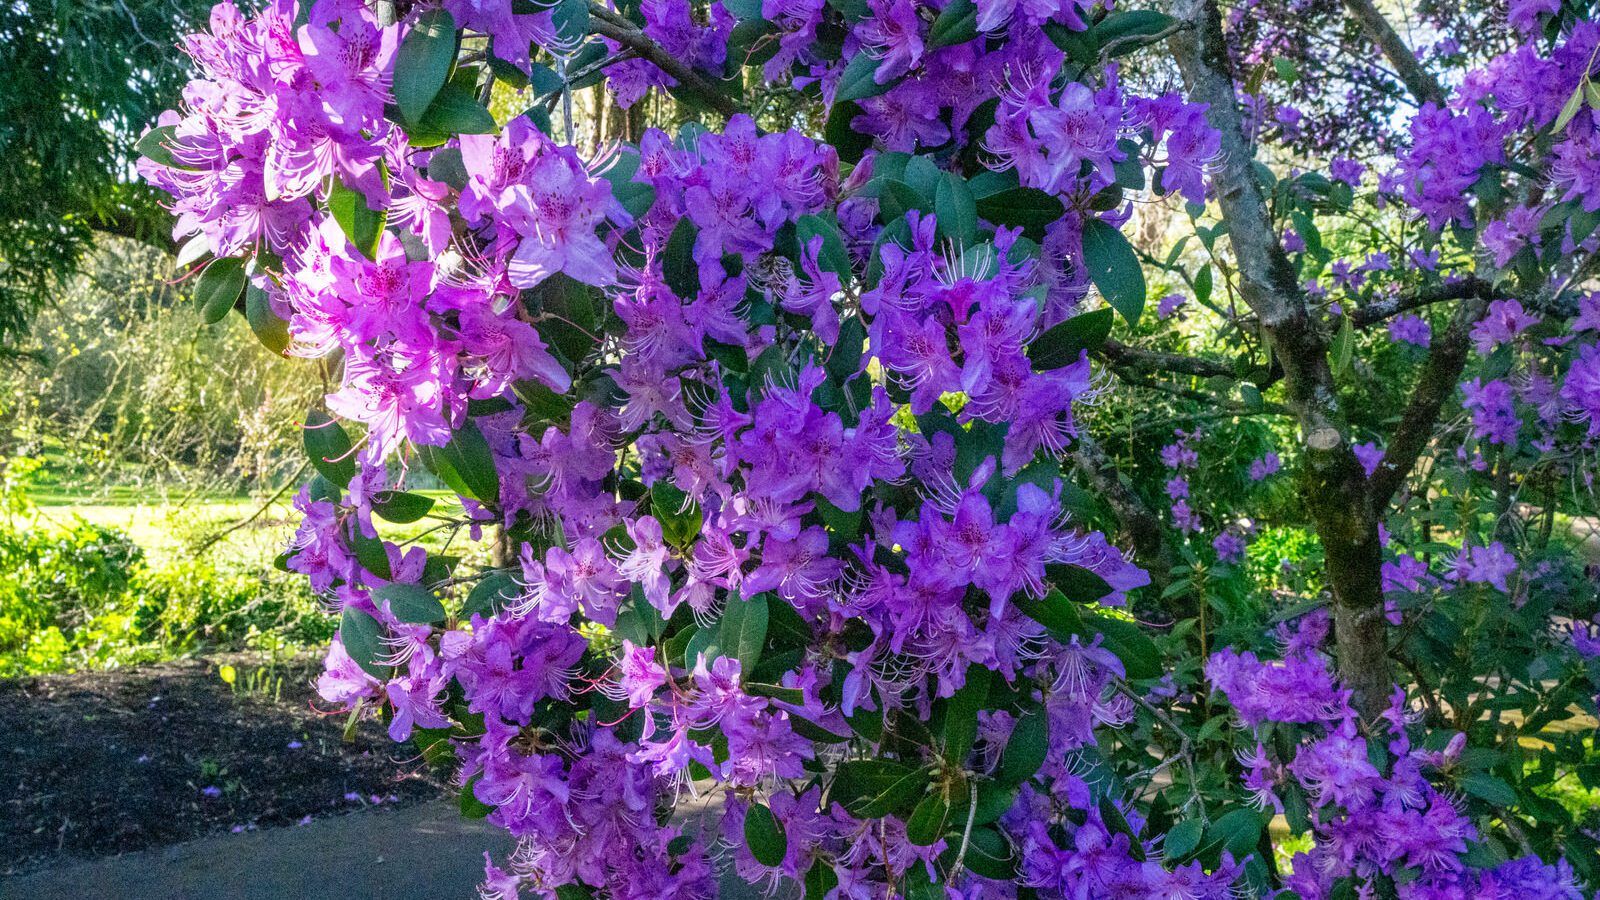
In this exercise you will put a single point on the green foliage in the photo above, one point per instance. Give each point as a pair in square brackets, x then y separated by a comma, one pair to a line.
[83, 79]
[84, 596]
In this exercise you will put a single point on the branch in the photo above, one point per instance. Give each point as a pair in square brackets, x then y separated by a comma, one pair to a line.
[1139, 524]
[1230, 407]
[1418, 80]
[1373, 313]
[1120, 354]
[608, 24]
[1332, 484]
[1438, 381]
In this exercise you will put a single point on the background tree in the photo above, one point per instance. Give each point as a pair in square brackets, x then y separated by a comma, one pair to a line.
[84, 80]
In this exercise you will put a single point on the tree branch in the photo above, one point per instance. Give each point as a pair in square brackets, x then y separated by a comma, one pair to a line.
[608, 24]
[1438, 381]
[1332, 483]
[1119, 354]
[1419, 81]
[1373, 313]
[1141, 528]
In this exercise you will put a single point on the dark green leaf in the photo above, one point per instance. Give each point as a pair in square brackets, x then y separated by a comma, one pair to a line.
[1182, 839]
[1024, 753]
[961, 714]
[956, 209]
[1487, 787]
[329, 448]
[272, 331]
[743, 630]
[410, 603]
[362, 637]
[957, 23]
[1114, 268]
[927, 820]
[680, 517]
[767, 841]
[678, 264]
[858, 80]
[156, 146]
[1065, 342]
[832, 256]
[492, 592]
[422, 64]
[401, 507]
[1021, 207]
[219, 288]
[455, 110]
[872, 788]
[362, 226]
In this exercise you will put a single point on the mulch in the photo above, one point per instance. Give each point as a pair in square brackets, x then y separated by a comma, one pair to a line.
[99, 763]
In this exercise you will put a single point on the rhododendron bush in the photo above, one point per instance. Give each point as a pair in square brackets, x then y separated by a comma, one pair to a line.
[797, 429]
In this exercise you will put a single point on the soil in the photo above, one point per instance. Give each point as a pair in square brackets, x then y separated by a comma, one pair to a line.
[100, 763]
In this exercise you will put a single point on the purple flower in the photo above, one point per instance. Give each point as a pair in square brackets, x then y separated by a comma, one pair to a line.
[1229, 547]
[1486, 565]
[1410, 329]
[1504, 321]
[1169, 305]
[1264, 466]
[1493, 408]
[1370, 456]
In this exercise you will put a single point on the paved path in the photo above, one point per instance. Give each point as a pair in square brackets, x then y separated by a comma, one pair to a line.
[425, 852]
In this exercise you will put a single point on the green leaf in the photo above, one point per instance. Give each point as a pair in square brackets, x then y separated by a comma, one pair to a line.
[1065, 342]
[1054, 612]
[492, 592]
[410, 603]
[1021, 207]
[362, 225]
[635, 197]
[1286, 69]
[1114, 268]
[743, 630]
[156, 146]
[927, 820]
[841, 134]
[766, 839]
[957, 23]
[989, 855]
[858, 81]
[1025, 751]
[832, 256]
[956, 209]
[678, 264]
[1237, 832]
[329, 447]
[454, 111]
[1131, 30]
[422, 64]
[219, 288]
[820, 880]
[1489, 788]
[1183, 838]
[466, 464]
[1569, 109]
[873, 788]
[680, 517]
[362, 637]
[401, 507]
[1128, 641]
[994, 799]
[1343, 347]
[271, 331]
[961, 714]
